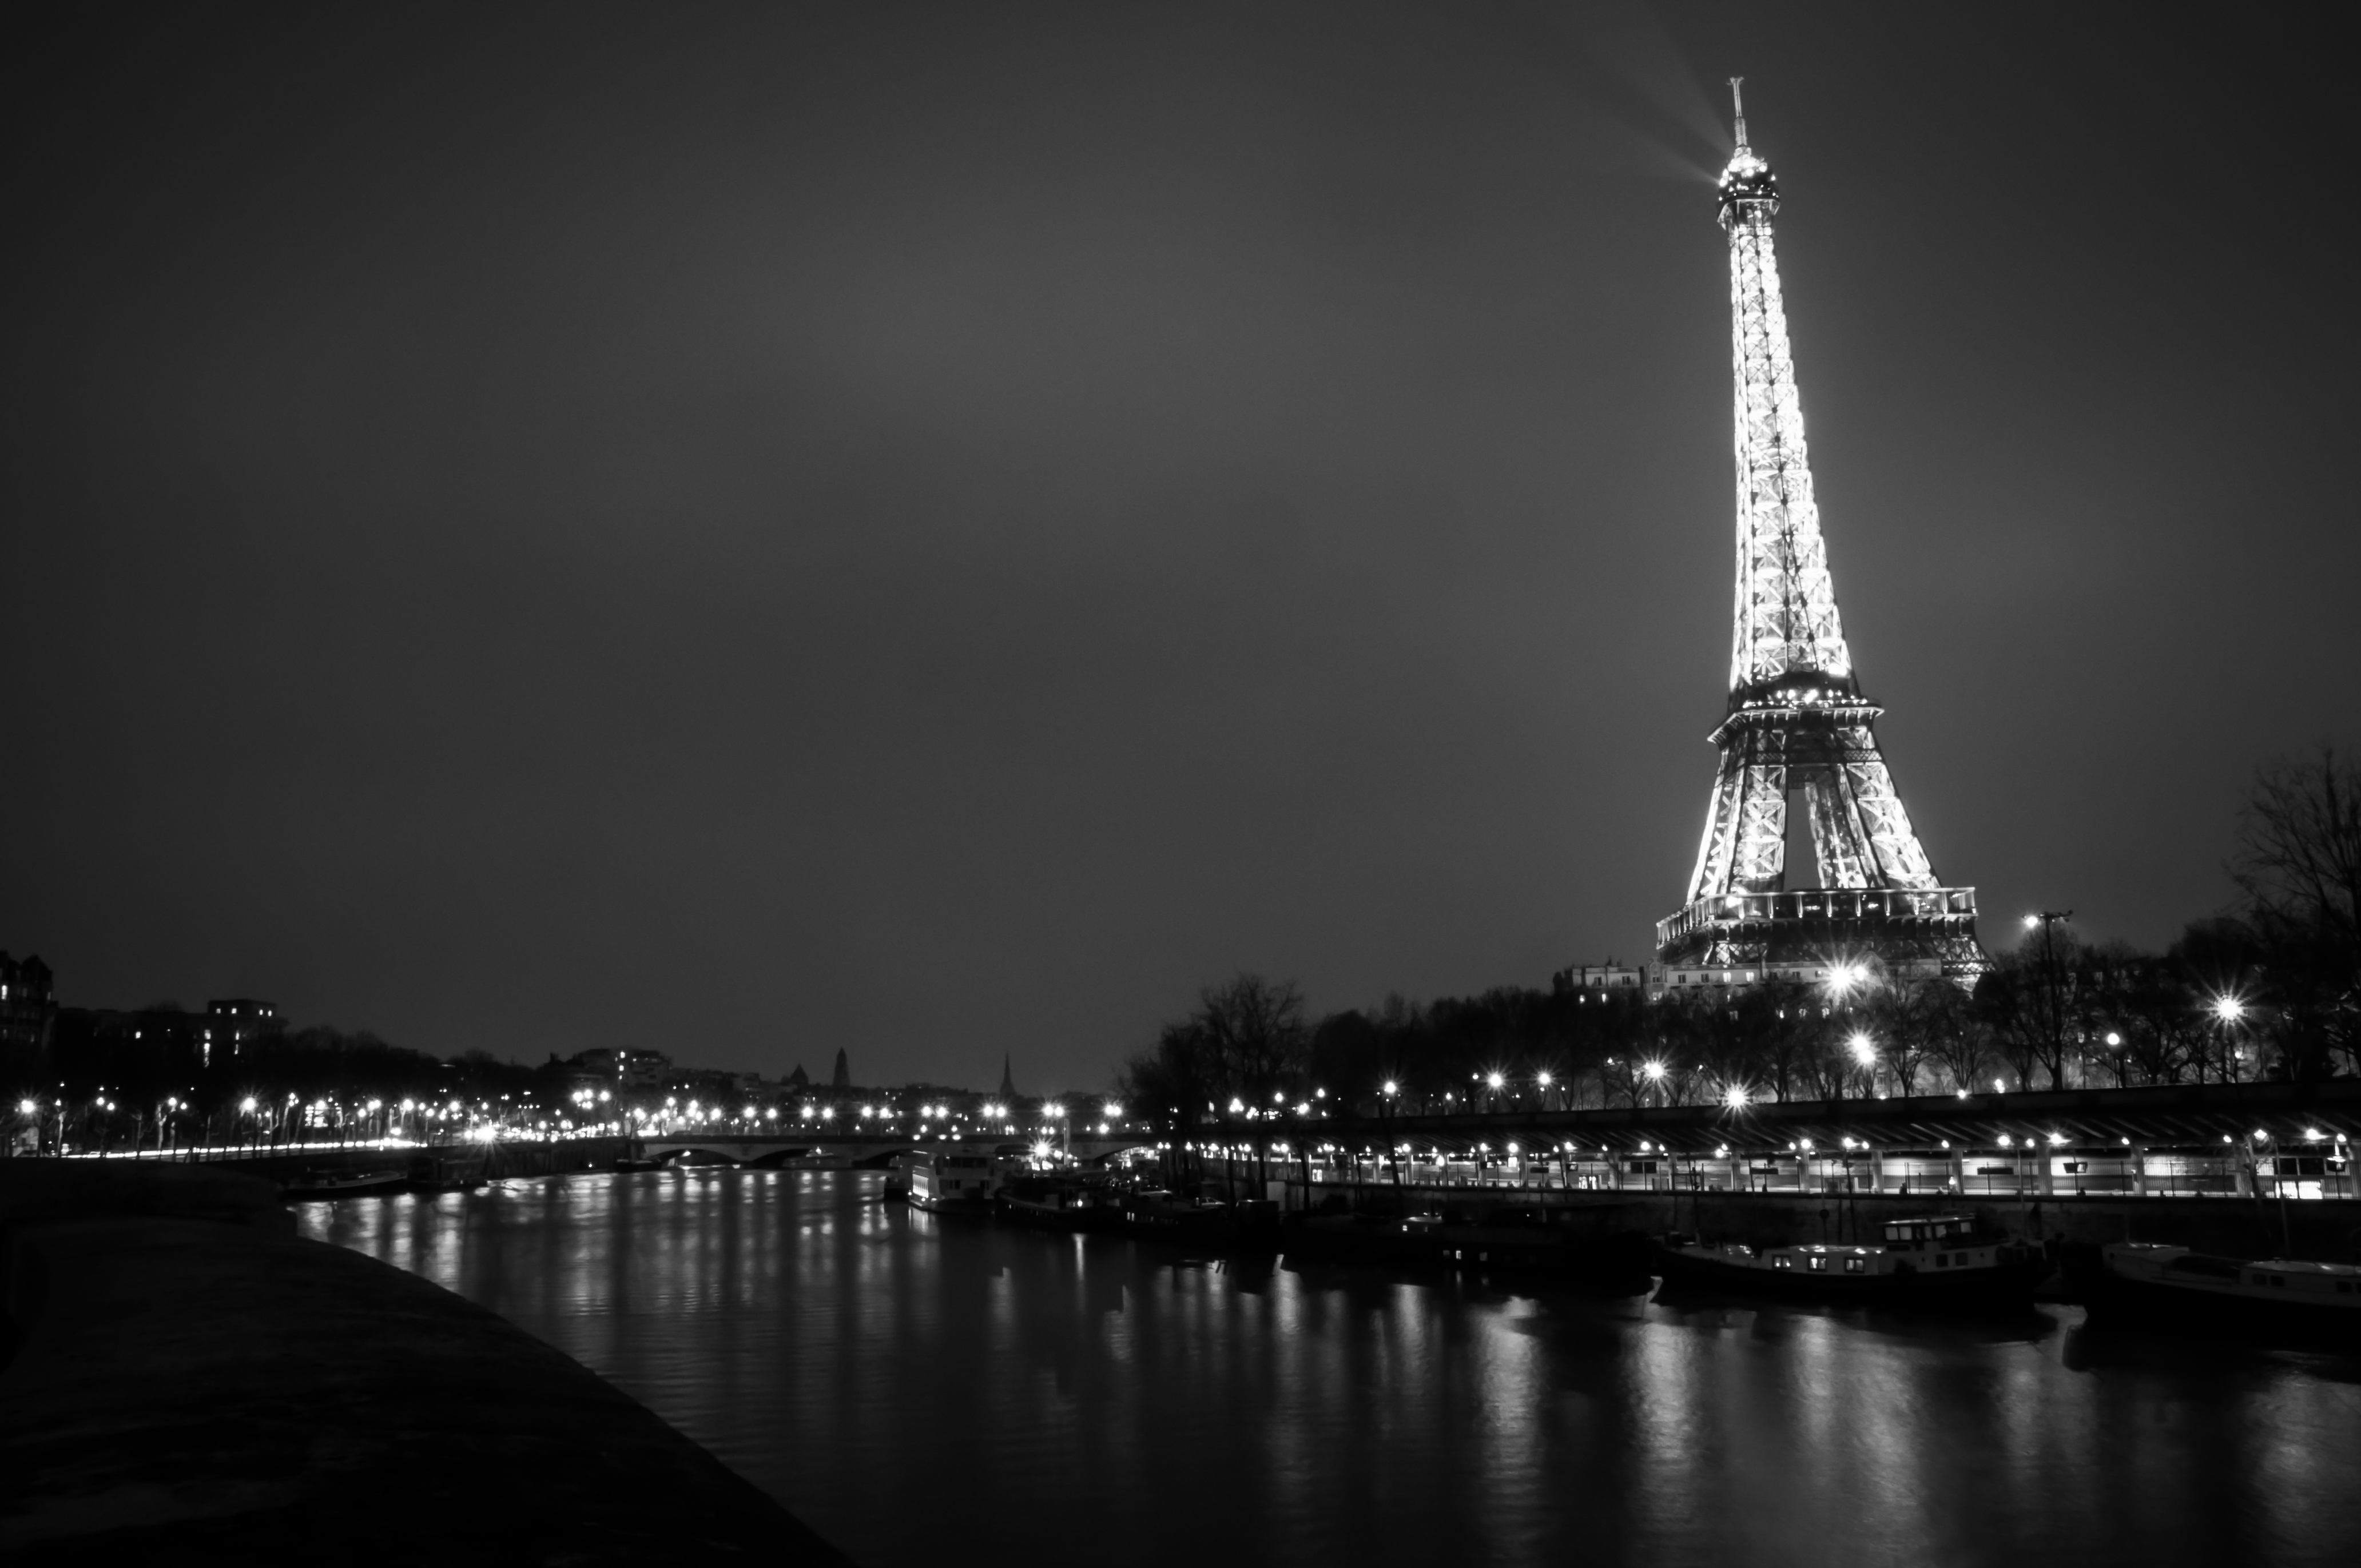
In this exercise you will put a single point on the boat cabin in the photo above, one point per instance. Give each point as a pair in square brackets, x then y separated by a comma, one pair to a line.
[940, 1179]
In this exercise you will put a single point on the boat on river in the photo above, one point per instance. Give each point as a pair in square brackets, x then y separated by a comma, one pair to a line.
[944, 1181]
[1155, 1213]
[313, 1184]
[1058, 1202]
[1955, 1260]
[1499, 1241]
[2150, 1284]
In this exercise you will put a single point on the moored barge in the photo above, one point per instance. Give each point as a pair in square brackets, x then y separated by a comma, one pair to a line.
[1947, 1260]
[947, 1182]
[2148, 1284]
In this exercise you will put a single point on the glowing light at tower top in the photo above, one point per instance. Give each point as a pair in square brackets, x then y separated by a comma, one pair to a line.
[1748, 186]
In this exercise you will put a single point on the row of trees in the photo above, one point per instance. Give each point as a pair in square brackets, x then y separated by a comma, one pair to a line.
[2271, 990]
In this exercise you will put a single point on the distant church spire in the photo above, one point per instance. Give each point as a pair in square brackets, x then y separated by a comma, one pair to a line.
[1008, 1081]
[843, 1078]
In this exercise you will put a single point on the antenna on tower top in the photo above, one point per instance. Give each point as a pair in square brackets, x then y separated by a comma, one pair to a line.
[1738, 102]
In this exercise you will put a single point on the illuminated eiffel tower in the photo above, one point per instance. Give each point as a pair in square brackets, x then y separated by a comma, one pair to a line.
[1797, 720]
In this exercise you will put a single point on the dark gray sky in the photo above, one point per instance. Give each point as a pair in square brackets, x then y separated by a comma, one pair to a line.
[938, 530]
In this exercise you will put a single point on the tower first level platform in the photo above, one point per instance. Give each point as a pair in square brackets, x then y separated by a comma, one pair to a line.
[1739, 938]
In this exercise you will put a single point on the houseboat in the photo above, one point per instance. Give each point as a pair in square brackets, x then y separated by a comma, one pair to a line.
[940, 1181]
[1061, 1203]
[2148, 1282]
[1943, 1260]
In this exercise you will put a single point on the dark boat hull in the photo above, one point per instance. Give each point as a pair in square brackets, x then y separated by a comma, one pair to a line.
[2116, 1303]
[2003, 1286]
[383, 1186]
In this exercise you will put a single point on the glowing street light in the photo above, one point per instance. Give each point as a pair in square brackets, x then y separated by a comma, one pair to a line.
[1865, 1050]
[2228, 1009]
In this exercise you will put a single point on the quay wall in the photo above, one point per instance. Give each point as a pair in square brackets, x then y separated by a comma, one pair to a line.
[284, 1162]
[182, 1376]
[2328, 1229]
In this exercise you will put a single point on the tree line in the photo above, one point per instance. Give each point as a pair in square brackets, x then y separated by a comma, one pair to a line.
[2270, 990]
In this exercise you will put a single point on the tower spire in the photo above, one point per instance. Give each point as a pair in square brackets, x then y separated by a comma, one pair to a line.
[1738, 102]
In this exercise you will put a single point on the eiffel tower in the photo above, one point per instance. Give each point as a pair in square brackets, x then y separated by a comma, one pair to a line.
[1797, 720]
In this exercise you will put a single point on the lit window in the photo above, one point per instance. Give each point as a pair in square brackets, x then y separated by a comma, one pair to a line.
[1819, 1264]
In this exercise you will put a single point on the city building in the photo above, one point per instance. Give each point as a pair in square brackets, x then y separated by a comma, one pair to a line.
[1598, 981]
[28, 1008]
[232, 1027]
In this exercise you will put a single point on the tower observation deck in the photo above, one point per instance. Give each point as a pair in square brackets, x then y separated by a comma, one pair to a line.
[1797, 722]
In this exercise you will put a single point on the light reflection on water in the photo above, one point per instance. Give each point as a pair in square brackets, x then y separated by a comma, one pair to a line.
[914, 1385]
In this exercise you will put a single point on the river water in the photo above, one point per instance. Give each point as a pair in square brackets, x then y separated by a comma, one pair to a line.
[920, 1388]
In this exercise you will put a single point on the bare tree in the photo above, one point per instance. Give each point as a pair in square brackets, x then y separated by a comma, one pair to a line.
[2298, 866]
[1255, 1031]
[1956, 1042]
[1909, 1016]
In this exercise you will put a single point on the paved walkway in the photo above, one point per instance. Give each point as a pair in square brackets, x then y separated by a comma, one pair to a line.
[213, 1388]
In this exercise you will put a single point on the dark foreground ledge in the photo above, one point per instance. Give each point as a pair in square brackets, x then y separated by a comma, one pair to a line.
[215, 1386]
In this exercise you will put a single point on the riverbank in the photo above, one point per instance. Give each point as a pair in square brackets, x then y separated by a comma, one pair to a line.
[2243, 1227]
[185, 1375]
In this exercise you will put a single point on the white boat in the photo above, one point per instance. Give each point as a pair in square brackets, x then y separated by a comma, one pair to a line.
[942, 1178]
[2152, 1283]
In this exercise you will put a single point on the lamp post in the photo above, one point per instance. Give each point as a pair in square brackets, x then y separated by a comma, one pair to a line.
[1863, 1051]
[2227, 1012]
[2053, 1022]
[2264, 1141]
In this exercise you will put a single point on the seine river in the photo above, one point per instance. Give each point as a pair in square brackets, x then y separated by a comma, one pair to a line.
[923, 1390]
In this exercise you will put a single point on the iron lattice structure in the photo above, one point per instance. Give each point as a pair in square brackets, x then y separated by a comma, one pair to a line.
[1797, 720]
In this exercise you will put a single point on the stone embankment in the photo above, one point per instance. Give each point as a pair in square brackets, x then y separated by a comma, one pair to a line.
[185, 1378]
[2327, 1229]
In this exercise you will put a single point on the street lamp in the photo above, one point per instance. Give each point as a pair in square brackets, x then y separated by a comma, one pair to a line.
[1863, 1051]
[2227, 1010]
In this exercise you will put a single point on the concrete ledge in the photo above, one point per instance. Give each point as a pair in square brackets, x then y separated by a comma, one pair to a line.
[189, 1387]
[45, 1190]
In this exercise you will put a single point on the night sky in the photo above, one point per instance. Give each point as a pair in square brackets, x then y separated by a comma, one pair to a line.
[938, 531]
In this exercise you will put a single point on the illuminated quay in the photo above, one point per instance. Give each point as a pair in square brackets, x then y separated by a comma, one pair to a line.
[2186, 1140]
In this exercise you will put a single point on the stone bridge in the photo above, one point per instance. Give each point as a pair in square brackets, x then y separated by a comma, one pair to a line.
[857, 1151]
